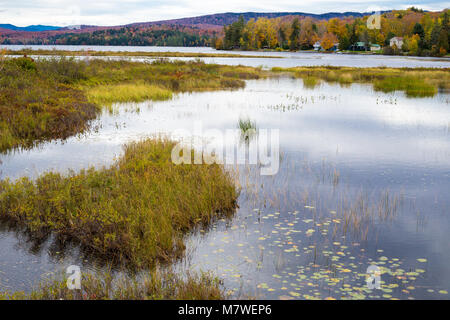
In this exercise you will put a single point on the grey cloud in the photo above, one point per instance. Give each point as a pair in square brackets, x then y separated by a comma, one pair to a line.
[113, 12]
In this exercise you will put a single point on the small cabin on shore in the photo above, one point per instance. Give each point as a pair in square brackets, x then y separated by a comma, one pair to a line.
[375, 47]
[358, 46]
[317, 46]
[396, 41]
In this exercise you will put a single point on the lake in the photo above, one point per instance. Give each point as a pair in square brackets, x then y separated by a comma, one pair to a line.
[290, 59]
[363, 181]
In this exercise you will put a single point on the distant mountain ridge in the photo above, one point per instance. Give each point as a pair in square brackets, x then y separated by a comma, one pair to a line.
[217, 19]
[35, 28]
[222, 19]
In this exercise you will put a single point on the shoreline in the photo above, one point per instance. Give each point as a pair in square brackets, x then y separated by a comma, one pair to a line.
[164, 54]
[362, 53]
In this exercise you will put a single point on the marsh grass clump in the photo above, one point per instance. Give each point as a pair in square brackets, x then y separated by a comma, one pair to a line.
[247, 129]
[311, 82]
[345, 78]
[37, 106]
[136, 212]
[152, 285]
[413, 87]
[417, 82]
[245, 124]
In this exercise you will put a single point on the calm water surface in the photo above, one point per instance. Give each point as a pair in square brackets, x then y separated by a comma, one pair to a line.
[290, 59]
[363, 180]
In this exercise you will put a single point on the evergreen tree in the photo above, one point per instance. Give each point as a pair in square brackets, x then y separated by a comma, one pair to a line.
[344, 43]
[295, 35]
[282, 37]
[418, 29]
[353, 36]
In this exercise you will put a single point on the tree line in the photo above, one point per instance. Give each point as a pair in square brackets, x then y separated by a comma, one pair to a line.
[127, 36]
[423, 33]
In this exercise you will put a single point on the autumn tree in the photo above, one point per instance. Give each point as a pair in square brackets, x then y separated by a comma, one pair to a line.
[308, 35]
[328, 40]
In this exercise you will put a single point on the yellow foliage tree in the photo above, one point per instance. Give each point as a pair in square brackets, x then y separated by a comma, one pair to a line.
[266, 33]
[219, 43]
[328, 40]
[2, 58]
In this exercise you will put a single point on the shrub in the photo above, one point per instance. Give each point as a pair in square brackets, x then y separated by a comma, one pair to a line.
[24, 63]
[63, 69]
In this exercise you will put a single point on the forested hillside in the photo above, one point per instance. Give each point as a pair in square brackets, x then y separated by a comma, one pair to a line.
[422, 33]
[222, 19]
[126, 36]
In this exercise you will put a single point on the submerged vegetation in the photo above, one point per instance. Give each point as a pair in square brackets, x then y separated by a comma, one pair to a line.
[57, 97]
[414, 82]
[247, 128]
[135, 212]
[246, 124]
[154, 285]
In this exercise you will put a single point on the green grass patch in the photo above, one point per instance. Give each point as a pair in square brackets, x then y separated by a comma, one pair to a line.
[135, 212]
[106, 95]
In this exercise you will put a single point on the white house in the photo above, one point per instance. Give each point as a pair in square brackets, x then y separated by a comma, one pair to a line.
[397, 41]
[317, 46]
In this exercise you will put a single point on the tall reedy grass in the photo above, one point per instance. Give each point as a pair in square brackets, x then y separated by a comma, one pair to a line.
[152, 285]
[106, 95]
[246, 124]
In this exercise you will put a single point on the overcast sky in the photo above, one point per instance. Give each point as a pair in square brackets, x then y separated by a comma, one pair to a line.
[117, 12]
